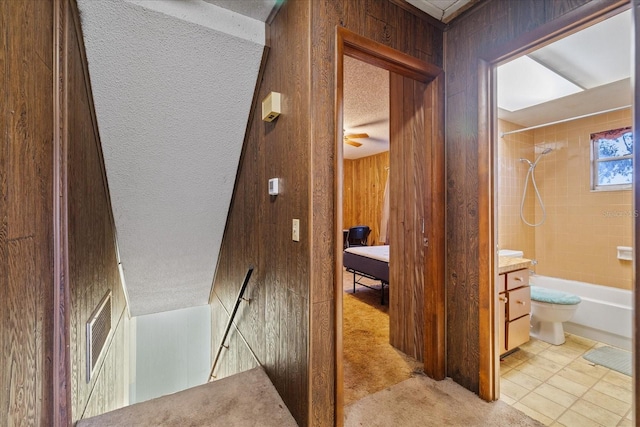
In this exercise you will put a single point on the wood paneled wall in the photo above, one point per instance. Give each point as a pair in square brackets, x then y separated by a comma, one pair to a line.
[390, 24]
[474, 35]
[26, 212]
[289, 323]
[408, 202]
[363, 192]
[258, 231]
[93, 266]
[43, 117]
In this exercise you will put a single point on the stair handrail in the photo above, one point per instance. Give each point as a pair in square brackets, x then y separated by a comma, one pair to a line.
[230, 322]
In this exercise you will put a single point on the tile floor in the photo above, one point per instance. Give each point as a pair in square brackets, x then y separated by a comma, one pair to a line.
[557, 387]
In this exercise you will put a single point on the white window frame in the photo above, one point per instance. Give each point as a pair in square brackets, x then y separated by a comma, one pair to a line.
[595, 161]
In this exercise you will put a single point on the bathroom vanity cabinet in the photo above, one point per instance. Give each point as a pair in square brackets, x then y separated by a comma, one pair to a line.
[514, 308]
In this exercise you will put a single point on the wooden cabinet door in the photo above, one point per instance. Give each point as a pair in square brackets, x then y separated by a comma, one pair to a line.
[518, 332]
[519, 302]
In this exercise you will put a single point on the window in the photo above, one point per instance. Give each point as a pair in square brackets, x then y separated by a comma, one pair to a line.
[611, 159]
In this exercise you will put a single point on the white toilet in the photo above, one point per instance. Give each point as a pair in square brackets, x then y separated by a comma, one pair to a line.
[549, 309]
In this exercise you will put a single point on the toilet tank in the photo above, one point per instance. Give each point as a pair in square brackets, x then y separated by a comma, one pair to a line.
[510, 253]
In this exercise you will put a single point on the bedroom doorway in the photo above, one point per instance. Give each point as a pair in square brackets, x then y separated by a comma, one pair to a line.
[416, 217]
[365, 189]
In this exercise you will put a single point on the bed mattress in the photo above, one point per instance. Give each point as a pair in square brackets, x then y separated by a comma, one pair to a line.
[371, 260]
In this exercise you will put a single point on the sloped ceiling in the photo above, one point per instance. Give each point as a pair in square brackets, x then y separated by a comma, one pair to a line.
[172, 84]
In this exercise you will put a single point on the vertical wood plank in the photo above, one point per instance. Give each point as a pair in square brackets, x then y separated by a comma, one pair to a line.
[410, 202]
[4, 255]
[396, 215]
[92, 261]
[25, 216]
[434, 286]
[365, 180]
[486, 29]
[301, 148]
[20, 358]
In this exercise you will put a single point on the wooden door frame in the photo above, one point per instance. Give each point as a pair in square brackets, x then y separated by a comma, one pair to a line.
[565, 25]
[351, 44]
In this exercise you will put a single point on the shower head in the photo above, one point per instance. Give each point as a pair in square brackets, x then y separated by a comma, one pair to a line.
[545, 151]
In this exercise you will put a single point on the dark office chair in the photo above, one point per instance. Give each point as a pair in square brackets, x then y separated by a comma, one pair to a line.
[358, 235]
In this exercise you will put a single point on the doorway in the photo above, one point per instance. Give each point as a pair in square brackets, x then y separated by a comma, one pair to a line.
[490, 131]
[416, 222]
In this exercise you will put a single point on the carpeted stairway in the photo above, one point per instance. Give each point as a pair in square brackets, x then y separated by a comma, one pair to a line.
[242, 400]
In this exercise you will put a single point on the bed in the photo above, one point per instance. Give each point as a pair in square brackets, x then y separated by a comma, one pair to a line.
[368, 261]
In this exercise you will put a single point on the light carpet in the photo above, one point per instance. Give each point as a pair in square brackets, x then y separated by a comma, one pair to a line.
[370, 363]
[421, 401]
[610, 357]
[242, 400]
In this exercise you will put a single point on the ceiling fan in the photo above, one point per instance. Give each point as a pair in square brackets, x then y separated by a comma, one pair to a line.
[349, 138]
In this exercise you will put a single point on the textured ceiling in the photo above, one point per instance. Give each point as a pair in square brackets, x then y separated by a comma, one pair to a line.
[172, 85]
[366, 107]
[256, 9]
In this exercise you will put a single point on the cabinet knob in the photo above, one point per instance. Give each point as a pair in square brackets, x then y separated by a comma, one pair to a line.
[518, 279]
[503, 298]
[520, 302]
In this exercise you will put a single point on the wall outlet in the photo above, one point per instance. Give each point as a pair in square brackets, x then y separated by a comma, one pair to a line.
[295, 230]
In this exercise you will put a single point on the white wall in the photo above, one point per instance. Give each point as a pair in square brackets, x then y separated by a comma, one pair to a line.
[170, 351]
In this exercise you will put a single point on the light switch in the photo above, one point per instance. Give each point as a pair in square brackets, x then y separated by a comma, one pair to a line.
[295, 230]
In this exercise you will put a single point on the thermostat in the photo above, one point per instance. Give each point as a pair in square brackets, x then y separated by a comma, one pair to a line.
[274, 184]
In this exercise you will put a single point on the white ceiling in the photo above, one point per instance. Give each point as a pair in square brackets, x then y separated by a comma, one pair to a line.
[256, 9]
[442, 10]
[597, 58]
[366, 107]
[172, 84]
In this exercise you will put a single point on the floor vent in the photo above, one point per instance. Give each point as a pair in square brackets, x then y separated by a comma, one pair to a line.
[98, 330]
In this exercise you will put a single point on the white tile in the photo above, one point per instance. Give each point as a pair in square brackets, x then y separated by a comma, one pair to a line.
[596, 413]
[607, 402]
[586, 367]
[558, 357]
[577, 377]
[543, 405]
[535, 371]
[506, 399]
[533, 414]
[522, 379]
[567, 385]
[557, 395]
[574, 419]
[614, 391]
[621, 380]
[512, 390]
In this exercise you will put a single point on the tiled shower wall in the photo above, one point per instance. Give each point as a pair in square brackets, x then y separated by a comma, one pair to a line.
[512, 232]
[578, 240]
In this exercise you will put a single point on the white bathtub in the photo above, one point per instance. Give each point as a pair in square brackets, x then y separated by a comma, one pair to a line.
[605, 314]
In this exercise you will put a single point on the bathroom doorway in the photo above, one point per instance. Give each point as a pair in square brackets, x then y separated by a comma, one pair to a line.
[549, 193]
